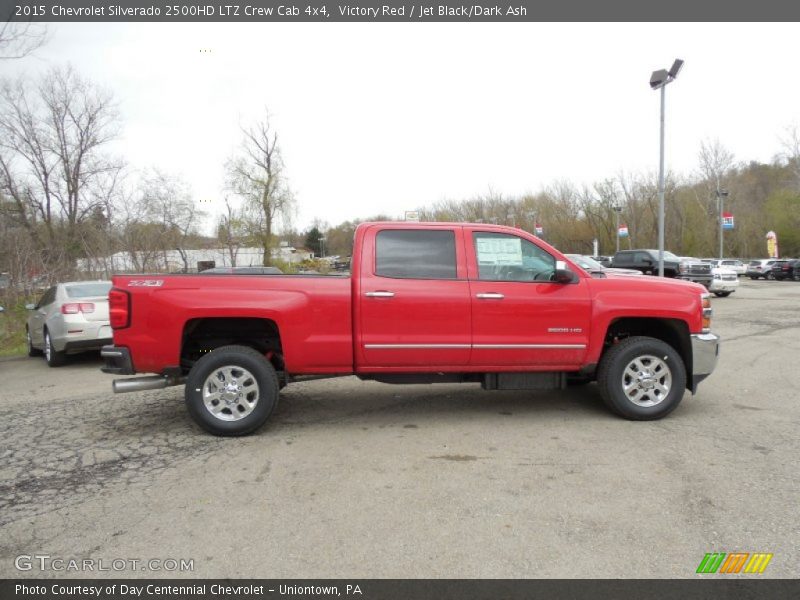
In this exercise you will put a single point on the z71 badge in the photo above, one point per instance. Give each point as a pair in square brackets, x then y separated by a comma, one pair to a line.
[145, 283]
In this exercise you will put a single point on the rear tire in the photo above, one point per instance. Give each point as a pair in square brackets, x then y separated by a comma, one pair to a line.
[722, 294]
[642, 378]
[231, 391]
[52, 357]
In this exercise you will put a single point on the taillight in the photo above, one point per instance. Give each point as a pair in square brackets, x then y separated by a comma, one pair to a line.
[119, 313]
[73, 308]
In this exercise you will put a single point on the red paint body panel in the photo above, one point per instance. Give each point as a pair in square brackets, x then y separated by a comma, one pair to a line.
[328, 325]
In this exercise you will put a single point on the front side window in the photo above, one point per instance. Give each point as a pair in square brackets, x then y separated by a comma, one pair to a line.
[505, 257]
[416, 254]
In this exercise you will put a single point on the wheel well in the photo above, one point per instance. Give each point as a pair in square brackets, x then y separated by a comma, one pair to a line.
[201, 336]
[671, 331]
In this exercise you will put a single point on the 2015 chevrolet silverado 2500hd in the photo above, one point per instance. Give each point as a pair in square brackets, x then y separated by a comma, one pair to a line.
[426, 302]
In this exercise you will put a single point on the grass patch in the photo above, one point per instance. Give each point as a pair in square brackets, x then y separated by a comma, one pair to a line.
[12, 330]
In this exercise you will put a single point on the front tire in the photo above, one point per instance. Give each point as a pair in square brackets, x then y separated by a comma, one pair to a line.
[231, 391]
[642, 378]
[722, 294]
[52, 357]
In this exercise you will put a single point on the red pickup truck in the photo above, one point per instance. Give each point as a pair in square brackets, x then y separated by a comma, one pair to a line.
[426, 302]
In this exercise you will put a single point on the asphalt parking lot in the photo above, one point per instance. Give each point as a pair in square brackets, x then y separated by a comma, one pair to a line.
[355, 479]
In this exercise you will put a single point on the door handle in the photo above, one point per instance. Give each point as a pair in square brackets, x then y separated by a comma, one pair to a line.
[490, 296]
[380, 294]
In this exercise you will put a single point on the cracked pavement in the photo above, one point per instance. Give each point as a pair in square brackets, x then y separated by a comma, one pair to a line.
[359, 479]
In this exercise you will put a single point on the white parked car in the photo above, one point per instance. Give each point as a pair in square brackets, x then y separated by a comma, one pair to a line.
[69, 318]
[724, 282]
[733, 264]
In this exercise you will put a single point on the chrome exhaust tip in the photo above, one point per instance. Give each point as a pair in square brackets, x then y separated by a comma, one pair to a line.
[139, 384]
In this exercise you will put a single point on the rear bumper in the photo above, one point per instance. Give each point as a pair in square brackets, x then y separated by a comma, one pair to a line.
[705, 353]
[118, 360]
[83, 345]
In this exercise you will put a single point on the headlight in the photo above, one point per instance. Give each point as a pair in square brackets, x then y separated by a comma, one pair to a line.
[708, 312]
[717, 276]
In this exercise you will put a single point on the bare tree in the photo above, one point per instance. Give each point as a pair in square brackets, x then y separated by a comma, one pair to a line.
[52, 162]
[790, 142]
[169, 202]
[256, 174]
[20, 38]
[232, 230]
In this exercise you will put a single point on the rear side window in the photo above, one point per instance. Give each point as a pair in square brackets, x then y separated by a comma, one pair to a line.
[416, 254]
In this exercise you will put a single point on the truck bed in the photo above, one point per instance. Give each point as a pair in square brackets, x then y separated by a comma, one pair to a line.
[312, 312]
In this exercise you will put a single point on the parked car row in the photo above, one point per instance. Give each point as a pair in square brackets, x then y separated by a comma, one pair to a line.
[774, 268]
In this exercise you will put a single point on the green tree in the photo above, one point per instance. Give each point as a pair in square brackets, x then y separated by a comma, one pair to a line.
[313, 241]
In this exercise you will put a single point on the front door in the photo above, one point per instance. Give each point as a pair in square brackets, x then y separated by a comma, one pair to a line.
[520, 316]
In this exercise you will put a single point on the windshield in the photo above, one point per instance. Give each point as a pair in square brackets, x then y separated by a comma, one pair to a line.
[585, 262]
[88, 290]
[668, 254]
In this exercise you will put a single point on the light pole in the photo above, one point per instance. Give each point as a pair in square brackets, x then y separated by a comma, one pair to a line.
[617, 210]
[322, 247]
[658, 81]
[721, 195]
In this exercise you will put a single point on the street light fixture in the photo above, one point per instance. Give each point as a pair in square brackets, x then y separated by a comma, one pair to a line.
[658, 81]
[617, 210]
[721, 195]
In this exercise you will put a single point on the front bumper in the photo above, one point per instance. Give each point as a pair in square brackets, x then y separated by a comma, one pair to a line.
[705, 353]
[118, 360]
[721, 285]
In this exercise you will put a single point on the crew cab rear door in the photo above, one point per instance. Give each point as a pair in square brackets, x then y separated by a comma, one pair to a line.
[413, 298]
[520, 316]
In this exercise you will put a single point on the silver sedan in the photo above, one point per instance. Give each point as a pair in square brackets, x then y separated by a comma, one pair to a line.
[69, 318]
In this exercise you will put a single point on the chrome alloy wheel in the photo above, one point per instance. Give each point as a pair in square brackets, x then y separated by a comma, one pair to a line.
[646, 380]
[230, 393]
[48, 350]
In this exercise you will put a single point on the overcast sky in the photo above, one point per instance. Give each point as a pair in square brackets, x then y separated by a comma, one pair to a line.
[376, 117]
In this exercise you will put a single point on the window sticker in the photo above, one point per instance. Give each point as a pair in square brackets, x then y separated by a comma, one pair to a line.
[499, 251]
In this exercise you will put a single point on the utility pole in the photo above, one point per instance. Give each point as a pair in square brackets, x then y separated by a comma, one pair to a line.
[721, 195]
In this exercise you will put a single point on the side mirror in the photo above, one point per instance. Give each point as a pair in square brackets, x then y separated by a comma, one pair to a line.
[30, 307]
[564, 275]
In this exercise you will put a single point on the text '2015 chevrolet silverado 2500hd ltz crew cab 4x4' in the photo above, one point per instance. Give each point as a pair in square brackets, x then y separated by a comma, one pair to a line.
[426, 302]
